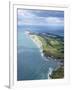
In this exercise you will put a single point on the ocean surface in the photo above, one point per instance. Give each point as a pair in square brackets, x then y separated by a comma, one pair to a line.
[30, 64]
[43, 29]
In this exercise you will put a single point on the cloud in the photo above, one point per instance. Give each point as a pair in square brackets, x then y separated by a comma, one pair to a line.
[28, 17]
[25, 13]
[55, 20]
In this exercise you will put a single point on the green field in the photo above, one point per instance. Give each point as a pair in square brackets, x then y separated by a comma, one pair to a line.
[52, 47]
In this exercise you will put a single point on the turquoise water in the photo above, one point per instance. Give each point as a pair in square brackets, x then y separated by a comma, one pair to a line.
[30, 64]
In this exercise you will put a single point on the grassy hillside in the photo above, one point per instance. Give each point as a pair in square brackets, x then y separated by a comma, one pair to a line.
[52, 46]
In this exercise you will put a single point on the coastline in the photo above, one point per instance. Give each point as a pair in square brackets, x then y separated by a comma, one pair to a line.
[42, 54]
[38, 43]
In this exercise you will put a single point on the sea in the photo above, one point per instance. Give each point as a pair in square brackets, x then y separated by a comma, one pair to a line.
[30, 64]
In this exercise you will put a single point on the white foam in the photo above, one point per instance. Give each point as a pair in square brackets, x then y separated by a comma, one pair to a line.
[50, 72]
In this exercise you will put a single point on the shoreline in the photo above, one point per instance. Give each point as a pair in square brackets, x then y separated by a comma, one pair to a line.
[38, 43]
[50, 72]
[40, 48]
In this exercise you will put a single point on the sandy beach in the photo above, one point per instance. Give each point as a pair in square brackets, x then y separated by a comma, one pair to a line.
[36, 40]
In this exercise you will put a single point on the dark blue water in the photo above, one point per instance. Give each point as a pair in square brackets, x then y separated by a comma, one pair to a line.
[44, 29]
[30, 64]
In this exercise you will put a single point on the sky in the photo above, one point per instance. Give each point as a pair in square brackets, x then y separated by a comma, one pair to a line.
[51, 18]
